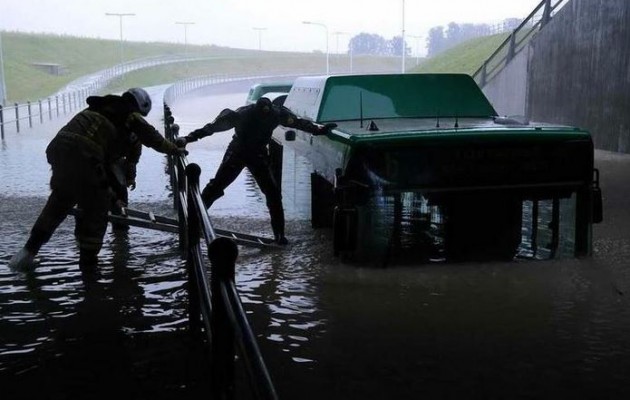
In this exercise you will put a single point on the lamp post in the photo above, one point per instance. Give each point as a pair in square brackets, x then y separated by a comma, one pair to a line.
[403, 36]
[3, 88]
[327, 52]
[120, 17]
[259, 36]
[349, 47]
[185, 25]
[417, 47]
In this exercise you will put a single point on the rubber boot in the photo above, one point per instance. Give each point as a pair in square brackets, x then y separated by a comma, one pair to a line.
[22, 261]
[281, 240]
[209, 195]
[87, 259]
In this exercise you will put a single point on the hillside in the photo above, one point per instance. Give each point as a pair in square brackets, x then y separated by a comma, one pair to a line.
[464, 58]
[82, 56]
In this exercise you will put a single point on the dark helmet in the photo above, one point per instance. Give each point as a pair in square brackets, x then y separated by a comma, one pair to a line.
[140, 99]
[263, 105]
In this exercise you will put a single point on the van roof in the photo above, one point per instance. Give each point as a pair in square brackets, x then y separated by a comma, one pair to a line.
[351, 97]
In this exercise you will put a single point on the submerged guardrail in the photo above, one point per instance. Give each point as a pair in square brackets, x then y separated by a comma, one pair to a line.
[214, 303]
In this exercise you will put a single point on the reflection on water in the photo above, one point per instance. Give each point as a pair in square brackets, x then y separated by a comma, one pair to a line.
[547, 329]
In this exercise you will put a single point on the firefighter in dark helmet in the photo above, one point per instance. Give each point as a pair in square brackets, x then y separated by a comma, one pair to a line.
[79, 156]
[253, 125]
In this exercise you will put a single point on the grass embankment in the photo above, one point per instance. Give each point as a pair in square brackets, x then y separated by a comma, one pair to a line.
[464, 58]
[83, 56]
[271, 63]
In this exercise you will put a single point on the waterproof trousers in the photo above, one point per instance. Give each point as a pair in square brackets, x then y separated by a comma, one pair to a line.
[258, 164]
[77, 179]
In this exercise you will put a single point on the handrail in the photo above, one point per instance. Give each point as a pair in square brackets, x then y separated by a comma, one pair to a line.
[512, 45]
[214, 302]
[72, 96]
[186, 85]
[44, 109]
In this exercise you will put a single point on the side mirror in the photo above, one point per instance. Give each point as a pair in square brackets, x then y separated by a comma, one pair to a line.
[289, 136]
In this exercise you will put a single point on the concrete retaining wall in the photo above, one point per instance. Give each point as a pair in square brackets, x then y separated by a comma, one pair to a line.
[508, 90]
[579, 71]
[576, 71]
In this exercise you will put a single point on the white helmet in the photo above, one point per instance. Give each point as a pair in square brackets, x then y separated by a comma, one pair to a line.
[141, 100]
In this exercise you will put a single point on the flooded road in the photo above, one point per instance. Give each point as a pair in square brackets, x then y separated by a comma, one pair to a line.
[545, 329]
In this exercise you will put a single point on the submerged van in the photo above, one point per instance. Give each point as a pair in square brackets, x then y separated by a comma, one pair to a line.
[422, 164]
[264, 89]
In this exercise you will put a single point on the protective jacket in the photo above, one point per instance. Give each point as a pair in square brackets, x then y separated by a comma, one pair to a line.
[107, 129]
[253, 127]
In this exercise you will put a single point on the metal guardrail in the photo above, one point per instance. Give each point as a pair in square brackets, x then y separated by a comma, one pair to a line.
[41, 110]
[214, 302]
[517, 40]
[187, 85]
[72, 96]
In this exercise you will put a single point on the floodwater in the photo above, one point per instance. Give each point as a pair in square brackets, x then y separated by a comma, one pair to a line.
[523, 329]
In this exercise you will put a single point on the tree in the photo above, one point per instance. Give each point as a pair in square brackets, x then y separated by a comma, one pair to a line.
[368, 43]
[394, 47]
[439, 39]
[436, 41]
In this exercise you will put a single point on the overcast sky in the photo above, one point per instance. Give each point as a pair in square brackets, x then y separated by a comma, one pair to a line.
[232, 22]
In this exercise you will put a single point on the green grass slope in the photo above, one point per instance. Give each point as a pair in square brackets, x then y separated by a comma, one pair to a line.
[83, 56]
[464, 58]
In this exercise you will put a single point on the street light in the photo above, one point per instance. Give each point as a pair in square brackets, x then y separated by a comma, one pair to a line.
[417, 47]
[403, 36]
[3, 88]
[349, 46]
[185, 24]
[327, 52]
[120, 17]
[259, 36]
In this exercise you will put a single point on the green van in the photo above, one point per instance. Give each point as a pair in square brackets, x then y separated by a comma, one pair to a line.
[261, 89]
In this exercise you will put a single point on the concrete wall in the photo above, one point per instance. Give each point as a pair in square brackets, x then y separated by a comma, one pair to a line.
[508, 90]
[579, 71]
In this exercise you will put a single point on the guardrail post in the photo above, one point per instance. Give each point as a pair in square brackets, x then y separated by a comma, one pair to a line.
[546, 14]
[483, 74]
[49, 110]
[1, 122]
[194, 312]
[30, 114]
[41, 113]
[181, 188]
[17, 116]
[222, 253]
[175, 182]
[168, 120]
[512, 48]
[57, 104]
[63, 100]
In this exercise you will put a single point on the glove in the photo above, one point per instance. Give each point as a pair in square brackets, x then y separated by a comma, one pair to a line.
[326, 128]
[181, 142]
[130, 175]
[178, 151]
[196, 135]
